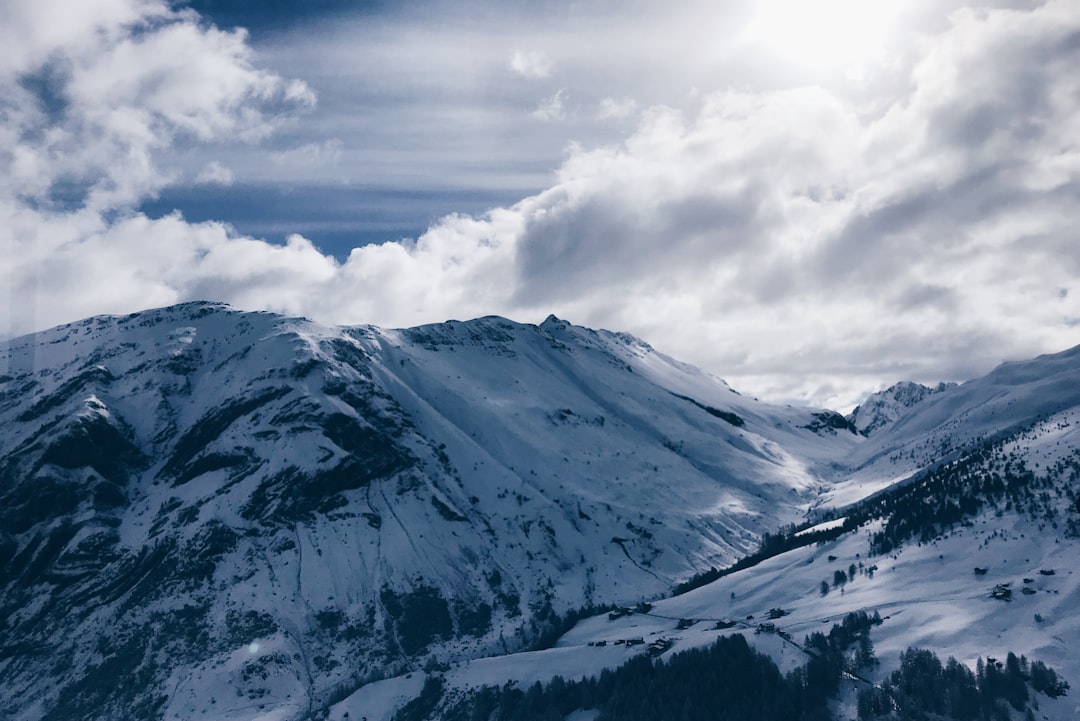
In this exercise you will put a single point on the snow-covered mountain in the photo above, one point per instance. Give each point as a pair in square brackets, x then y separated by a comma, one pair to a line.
[884, 407]
[964, 540]
[248, 516]
[183, 486]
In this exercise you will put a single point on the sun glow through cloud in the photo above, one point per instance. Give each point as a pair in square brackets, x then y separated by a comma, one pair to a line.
[828, 34]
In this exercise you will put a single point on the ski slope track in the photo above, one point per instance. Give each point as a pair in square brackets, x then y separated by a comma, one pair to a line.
[247, 516]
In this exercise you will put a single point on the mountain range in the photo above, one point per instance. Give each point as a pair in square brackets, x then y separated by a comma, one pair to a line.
[215, 514]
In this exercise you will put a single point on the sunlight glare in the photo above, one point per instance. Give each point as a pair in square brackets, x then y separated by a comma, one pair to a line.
[825, 34]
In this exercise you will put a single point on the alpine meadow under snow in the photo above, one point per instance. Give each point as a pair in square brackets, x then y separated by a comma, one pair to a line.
[214, 514]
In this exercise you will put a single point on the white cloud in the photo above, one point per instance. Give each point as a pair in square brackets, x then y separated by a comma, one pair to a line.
[93, 99]
[214, 173]
[616, 108]
[552, 107]
[91, 92]
[531, 64]
[310, 155]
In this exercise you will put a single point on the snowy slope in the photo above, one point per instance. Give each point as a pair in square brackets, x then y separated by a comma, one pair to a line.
[953, 419]
[250, 514]
[943, 595]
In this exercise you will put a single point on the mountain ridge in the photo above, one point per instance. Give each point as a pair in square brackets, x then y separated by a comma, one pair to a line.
[183, 485]
[433, 488]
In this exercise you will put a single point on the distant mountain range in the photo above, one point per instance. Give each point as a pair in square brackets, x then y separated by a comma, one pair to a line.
[206, 513]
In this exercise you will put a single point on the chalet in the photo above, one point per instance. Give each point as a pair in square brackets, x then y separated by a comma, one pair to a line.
[659, 646]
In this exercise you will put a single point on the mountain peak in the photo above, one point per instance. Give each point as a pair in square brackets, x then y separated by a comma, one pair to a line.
[885, 407]
[553, 321]
[183, 485]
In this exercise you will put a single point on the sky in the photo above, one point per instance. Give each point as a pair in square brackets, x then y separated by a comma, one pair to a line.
[810, 199]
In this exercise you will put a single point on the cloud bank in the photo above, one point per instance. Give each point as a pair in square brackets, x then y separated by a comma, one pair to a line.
[802, 245]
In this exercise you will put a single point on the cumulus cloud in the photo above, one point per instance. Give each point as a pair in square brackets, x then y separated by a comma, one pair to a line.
[800, 244]
[811, 240]
[90, 92]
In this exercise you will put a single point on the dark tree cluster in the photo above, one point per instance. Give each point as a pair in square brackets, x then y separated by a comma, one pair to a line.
[987, 478]
[421, 707]
[728, 681]
[924, 688]
[549, 626]
[772, 544]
